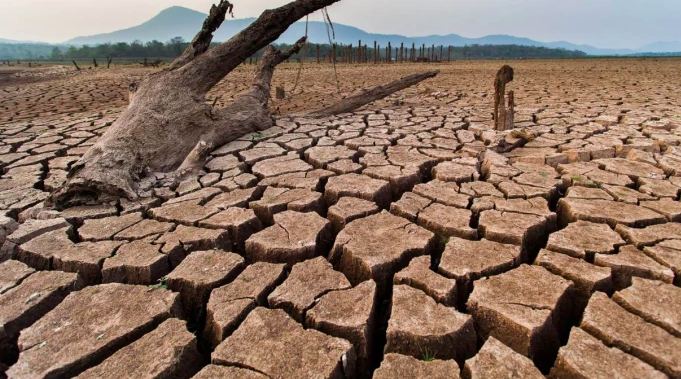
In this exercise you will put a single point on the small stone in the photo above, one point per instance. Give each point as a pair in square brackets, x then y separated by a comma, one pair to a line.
[307, 282]
[586, 357]
[229, 305]
[584, 239]
[404, 366]
[613, 325]
[374, 247]
[419, 326]
[199, 273]
[293, 238]
[525, 308]
[496, 360]
[419, 275]
[630, 262]
[348, 209]
[272, 343]
[169, 351]
[87, 326]
[656, 302]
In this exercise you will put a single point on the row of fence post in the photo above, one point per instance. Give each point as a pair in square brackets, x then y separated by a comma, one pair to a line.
[362, 54]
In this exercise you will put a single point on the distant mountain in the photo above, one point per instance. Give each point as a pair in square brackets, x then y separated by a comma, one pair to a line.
[184, 22]
[662, 47]
[4, 40]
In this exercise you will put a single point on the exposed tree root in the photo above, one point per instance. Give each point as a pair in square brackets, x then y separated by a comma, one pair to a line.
[168, 127]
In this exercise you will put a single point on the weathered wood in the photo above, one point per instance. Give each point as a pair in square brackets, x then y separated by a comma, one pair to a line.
[169, 127]
[366, 96]
[503, 118]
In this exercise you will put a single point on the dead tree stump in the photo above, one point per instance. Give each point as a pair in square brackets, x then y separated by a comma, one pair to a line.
[169, 129]
[503, 115]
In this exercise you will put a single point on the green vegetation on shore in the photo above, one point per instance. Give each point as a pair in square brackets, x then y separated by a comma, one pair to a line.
[175, 46]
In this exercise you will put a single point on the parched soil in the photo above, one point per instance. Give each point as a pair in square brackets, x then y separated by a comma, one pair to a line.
[407, 239]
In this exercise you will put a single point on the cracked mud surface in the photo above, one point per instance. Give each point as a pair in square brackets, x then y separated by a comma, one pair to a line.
[406, 239]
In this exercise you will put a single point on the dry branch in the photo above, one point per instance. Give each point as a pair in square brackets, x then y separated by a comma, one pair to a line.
[366, 96]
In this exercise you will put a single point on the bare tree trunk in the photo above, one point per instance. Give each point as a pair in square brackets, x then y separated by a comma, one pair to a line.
[169, 128]
[501, 114]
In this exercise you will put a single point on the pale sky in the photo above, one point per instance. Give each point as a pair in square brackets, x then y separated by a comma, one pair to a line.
[602, 23]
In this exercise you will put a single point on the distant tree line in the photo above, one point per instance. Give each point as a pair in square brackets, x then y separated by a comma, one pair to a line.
[175, 47]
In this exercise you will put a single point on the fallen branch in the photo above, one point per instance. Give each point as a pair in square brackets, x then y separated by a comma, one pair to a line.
[366, 96]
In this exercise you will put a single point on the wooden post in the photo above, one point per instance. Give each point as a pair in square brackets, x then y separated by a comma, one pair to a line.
[375, 53]
[401, 52]
[413, 52]
[318, 62]
[449, 54]
[441, 52]
[503, 117]
[333, 54]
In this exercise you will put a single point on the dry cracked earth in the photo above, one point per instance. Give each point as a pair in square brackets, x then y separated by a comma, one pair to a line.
[406, 240]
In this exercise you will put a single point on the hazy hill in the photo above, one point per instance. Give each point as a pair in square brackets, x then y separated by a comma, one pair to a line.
[184, 22]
